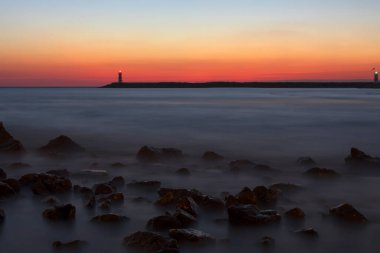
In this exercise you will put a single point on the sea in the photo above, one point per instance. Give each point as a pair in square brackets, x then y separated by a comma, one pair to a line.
[268, 126]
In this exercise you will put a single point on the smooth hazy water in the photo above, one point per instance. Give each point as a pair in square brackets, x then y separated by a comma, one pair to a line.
[271, 126]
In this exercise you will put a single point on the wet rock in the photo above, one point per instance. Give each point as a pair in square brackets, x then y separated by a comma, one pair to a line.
[91, 202]
[210, 156]
[2, 215]
[117, 182]
[110, 218]
[169, 251]
[188, 205]
[239, 165]
[191, 235]
[321, 173]
[211, 203]
[9, 145]
[118, 165]
[183, 172]
[250, 215]
[51, 200]
[61, 146]
[359, 158]
[309, 232]
[76, 244]
[151, 154]
[13, 183]
[185, 218]
[60, 173]
[91, 173]
[86, 191]
[105, 205]
[42, 184]
[267, 241]
[151, 242]
[19, 165]
[145, 185]
[140, 200]
[245, 196]
[164, 222]
[284, 188]
[306, 161]
[102, 189]
[263, 168]
[295, 213]
[265, 195]
[116, 197]
[6, 191]
[65, 212]
[3, 174]
[348, 213]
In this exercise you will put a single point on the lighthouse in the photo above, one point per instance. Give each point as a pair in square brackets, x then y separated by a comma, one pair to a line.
[120, 77]
[376, 76]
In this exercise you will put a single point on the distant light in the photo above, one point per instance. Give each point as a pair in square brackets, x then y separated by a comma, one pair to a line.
[119, 71]
[376, 72]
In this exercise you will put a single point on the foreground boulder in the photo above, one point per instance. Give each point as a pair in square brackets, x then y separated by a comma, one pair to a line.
[110, 218]
[164, 222]
[61, 146]
[359, 158]
[321, 173]
[151, 242]
[152, 154]
[13, 183]
[76, 244]
[44, 184]
[65, 212]
[9, 145]
[260, 195]
[211, 156]
[190, 235]
[348, 213]
[251, 215]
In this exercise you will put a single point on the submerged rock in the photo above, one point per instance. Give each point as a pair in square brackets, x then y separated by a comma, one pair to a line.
[102, 189]
[211, 156]
[151, 154]
[43, 184]
[309, 232]
[76, 244]
[65, 212]
[19, 165]
[91, 173]
[267, 241]
[91, 202]
[51, 200]
[6, 191]
[321, 173]
[306, 161]
[164, 222]
[183, 172]
[60, 173]
[295, 213]
[188, 205]
[145, 185]
[359, 158]
[13, 183]
[118, 165]
[3, 174]
[348, 213]
[61, 146]
[110, 218]
[191, 235]
[184, 217]
[260, 195]
[151, 242]
[117, 182]
[251, 215]
[9, 145]
[285, 188]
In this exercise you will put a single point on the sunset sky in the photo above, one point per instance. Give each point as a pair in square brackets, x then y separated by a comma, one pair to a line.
[86, 42]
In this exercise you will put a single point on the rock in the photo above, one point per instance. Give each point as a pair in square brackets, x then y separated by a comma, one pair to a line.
[263, 168]
[359, 158]
[91, 173]
[321, 173]
[284, 188]
[163, 222]
[51, 200]
[65, 212]
[43, 184]
[295, 213]
[310, 232]
[60, 173]
[105, 205]
[348, 213]
[250, 215]
[265, 195]
[6, 191]
[102, 189]
[13, 183]
[151, 154]
[145, 185]
[210, 156]
[151, 242]
[239, 165]
[19, 165]
[116, 197]
[190, 235]
[76, 244]
[2, 215]
[91, 202]
[61, 146]
[183, 172]
[117, 182]
[140, 200]
[9, 145]
[83, 190]
[306, 161]
[246, 196]
[185, 218]
[110, 218]
[118, 165]
[3, 174]
[259, 195]
[188, 205]
[267, 241]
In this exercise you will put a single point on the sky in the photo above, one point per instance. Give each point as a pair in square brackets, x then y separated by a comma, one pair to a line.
[86, 42]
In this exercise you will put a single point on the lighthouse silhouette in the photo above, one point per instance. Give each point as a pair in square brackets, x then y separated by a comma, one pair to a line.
[376, 76]
[120, 76]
